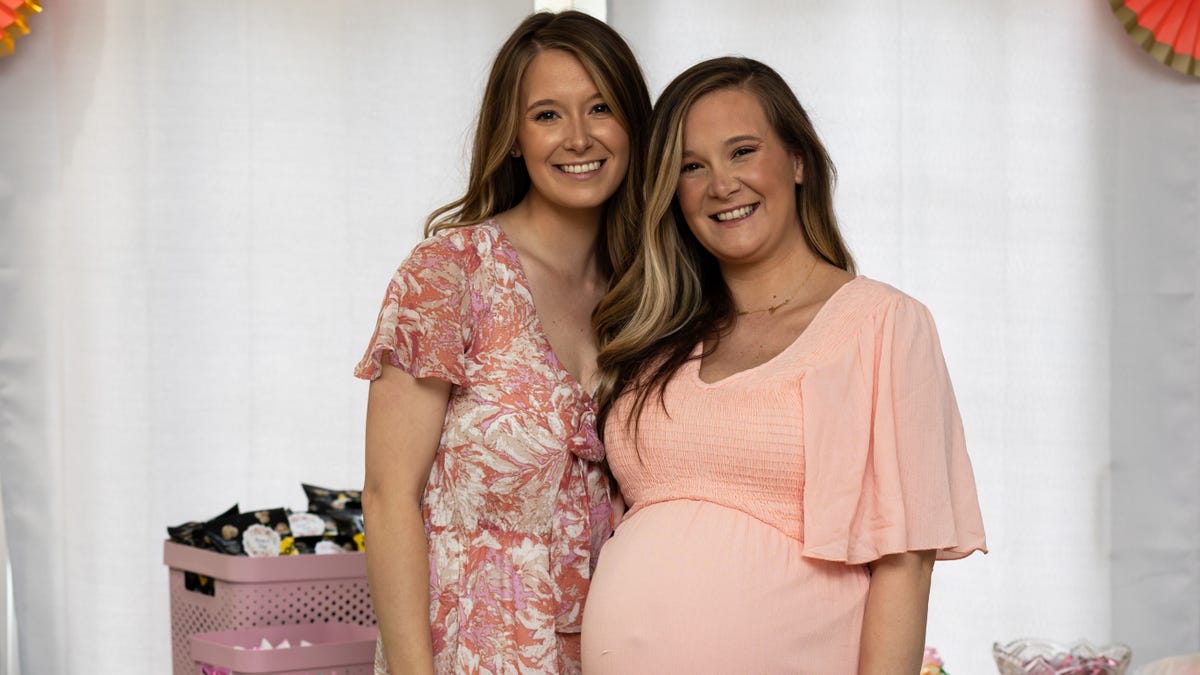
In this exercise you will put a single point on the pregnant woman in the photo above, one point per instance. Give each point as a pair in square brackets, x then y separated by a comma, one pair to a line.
[783, 431]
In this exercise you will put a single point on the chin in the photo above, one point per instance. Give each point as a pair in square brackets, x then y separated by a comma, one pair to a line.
[731, 252]
[582, 202]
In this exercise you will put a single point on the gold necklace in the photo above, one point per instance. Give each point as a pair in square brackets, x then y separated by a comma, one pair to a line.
[772, 309]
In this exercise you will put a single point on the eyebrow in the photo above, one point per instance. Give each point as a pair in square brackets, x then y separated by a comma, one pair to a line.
[550, 101]
[742, 139]
[730, 141]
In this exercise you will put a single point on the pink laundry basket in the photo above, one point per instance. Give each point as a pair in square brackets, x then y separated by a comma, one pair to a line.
[336, 649]
[253, 592]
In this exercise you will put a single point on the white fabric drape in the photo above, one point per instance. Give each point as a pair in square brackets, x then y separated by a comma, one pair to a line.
[1152, 218]
[8, 619]
[200, 204]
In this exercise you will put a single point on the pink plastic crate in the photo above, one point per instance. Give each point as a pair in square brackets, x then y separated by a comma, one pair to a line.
[337, 649]
[253, 592]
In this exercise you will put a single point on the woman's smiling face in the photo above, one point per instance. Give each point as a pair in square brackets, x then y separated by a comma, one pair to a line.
[737, 185]
[574, 148]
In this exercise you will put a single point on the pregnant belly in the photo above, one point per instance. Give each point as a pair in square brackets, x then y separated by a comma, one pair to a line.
[691, 586]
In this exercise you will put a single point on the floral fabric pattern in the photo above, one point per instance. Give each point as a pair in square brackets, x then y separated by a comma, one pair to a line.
[516, 506]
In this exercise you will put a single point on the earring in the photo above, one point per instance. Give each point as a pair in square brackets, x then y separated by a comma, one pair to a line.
[513, 154]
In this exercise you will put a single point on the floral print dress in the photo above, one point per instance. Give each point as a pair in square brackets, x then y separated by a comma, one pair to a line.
[516, 507]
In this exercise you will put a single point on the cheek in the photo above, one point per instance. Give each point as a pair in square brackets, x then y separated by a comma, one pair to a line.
[698, 226]
[534, 140]
[525, 140]
[689, 197]
[617, 142]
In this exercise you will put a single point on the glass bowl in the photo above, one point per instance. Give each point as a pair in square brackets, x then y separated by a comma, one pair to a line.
[1031, 656]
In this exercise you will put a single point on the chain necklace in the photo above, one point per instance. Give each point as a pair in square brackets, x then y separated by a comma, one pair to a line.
[773, 308]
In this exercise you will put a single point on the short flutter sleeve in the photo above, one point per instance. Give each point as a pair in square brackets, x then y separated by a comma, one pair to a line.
[886, 465]
[424, 325]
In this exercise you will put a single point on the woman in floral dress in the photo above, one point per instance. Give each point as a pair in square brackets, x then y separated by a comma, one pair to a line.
[484, 502]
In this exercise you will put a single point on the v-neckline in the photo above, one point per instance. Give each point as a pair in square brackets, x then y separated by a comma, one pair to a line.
[538, 326]
[816, 323]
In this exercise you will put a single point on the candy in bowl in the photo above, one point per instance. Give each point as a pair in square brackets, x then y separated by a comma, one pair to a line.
[1031, 656]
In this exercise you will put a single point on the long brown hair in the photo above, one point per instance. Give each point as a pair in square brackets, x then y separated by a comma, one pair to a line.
[673, 297]
[499, 182]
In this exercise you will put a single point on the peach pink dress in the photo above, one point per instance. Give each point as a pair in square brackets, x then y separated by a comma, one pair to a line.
[516, 507]
[755, 501]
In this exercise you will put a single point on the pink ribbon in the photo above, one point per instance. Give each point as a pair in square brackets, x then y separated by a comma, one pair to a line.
[206, 669]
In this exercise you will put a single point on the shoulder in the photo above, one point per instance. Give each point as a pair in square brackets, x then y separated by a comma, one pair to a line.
[865, 311]
[868, 297]
[867, 304]
[862, 299]
[467, 245]
[464, 252]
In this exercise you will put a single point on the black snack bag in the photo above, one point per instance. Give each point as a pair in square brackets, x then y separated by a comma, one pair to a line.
[198, 583]
[191, 533]
[305, 524]
[307, 545]
[323, 499]
[342, 510]
[355, 542]
[325, 545]
[225, 535]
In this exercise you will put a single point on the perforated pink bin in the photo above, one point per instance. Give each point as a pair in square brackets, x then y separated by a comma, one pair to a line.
[336, 649]
[253, 592]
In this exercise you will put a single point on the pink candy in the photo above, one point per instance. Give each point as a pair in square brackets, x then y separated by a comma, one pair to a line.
[1042, 657]
[266, 644]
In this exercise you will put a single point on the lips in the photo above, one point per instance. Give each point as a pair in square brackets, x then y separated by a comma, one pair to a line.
[581, 167]
[735, 213]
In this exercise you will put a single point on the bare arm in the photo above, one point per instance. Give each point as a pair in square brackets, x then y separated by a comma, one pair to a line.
[893, 632]
[404, 426]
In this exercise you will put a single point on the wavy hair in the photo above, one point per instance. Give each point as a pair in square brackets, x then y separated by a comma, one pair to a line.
[499, 182]
[673, 296]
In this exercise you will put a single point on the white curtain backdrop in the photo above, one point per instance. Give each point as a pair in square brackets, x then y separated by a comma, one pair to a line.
[200, 204]
[8, 619]
[1152, 220]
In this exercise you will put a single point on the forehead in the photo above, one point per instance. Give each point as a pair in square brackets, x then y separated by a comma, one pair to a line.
[721, 114]
[555, 74]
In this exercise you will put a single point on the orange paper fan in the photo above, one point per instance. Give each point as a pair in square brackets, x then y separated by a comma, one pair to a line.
[1169, 30]
[12, 22]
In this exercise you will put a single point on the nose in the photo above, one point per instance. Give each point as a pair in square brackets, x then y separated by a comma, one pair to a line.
[579, 135]
[722, 183]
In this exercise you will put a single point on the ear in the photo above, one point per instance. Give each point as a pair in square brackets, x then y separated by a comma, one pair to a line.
[798, 165]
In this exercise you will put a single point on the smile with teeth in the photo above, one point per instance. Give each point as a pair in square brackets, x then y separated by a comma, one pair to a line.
[581, 168]
[734, 214]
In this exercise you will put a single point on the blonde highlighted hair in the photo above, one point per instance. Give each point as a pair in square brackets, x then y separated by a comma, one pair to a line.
[673, 296]
[499, 182]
